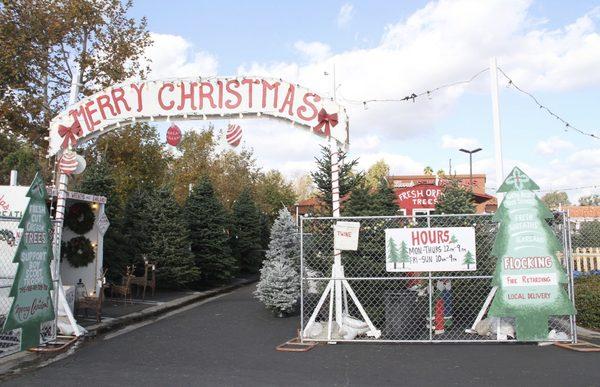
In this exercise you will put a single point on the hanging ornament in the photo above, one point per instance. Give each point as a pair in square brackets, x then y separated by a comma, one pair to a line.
[234, 135]
[173, 135]
[68, 162]
[81, 164]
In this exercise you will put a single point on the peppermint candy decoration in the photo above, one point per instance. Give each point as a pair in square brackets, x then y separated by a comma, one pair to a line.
[173, 135]
[234, 135]
[68, 162]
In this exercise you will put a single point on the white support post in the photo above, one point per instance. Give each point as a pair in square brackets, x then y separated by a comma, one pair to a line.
[496, 122]
[60, 185]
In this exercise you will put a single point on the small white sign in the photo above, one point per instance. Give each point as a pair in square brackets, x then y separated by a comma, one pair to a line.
[345, 235]
[430, 249]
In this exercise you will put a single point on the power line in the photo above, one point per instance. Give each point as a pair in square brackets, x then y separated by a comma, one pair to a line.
[547, 109]
[413, 96]
[558, 189]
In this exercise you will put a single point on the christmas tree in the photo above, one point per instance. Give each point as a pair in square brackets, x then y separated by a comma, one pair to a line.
[529, 276]
[454, 199]
[384, 200]
[468, 259]
[361, 202]
[207, 223]
[404, 257]
[31, 287]
[169, 242]
[392, 252]
[246, 233]
[279, 284]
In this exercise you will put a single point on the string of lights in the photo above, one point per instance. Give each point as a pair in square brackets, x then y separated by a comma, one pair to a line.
[413, 96]
[568, 126]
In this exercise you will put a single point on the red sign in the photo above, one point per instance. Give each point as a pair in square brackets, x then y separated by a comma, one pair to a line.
[417, 197]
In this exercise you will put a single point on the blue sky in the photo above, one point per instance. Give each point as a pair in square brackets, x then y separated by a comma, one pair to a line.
[388, 49]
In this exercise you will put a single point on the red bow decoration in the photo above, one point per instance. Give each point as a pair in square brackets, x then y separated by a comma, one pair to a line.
[326, 122]
[70, 133]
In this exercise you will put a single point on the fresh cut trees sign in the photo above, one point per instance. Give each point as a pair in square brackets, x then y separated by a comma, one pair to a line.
[430, 249]
[203, 98]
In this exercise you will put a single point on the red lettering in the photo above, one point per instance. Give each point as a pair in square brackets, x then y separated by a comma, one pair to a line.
[103, 102]
[415, 238]
[207, 95]
[138, 90]
[118, 95]
[90, 113]
[288, 101]
[313, 108]
[249, 82]
[80, 113]
[169, 86]
[220, 94]
[268, 86]
[238, 97]
[187, 96]
[446, 236]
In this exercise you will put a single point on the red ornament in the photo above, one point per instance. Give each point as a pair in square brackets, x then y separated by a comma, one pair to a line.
[234, 135]
[173, 135]
[68, 162]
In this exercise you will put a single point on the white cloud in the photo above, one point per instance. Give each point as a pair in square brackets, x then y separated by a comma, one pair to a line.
[172, 56]
[313, 51]
[553, 145]
[450, 142]
[345, 15]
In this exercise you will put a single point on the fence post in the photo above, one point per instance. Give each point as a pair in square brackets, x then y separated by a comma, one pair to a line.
[301, 278]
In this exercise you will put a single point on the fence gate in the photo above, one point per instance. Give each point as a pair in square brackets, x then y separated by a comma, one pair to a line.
[403, 305]
[10, 341]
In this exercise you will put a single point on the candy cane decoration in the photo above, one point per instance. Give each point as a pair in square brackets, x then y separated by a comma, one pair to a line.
[234, 135]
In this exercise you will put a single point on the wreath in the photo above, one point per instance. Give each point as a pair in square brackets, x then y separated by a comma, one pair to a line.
[80, 218]
[79, 252]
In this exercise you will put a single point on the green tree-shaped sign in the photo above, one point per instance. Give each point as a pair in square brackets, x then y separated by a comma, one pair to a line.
[468, 259]
[529, 277]
[393, 255]
[31, 288]
[404, 257]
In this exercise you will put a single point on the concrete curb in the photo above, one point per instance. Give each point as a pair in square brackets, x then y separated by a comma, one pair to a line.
[28, 360]
[157, 310]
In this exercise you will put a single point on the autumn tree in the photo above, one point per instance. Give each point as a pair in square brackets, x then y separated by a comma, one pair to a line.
[303, 186]
[555, 199]
[45, 41]
[348, 178]
[273, 192]
[232, 172]
[376, 173]
[590, 200]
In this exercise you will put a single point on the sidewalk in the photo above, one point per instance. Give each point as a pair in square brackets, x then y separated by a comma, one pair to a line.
[116, 314]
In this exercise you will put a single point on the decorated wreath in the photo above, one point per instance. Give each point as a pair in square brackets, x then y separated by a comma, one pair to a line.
[80, 218]
[79, 252]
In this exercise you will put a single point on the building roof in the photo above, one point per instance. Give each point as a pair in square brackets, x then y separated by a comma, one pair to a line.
[467, 176]
[583, 211]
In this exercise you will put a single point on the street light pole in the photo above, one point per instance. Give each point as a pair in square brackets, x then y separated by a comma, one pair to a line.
[470, 152]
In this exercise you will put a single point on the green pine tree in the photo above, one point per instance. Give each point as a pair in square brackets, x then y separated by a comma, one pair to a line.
[169, 242]
[468, 260]
[245, 236]
[392, 252]
[454, 199]
[360, 203]
[32, 303]
[384, 200]
[207, 222]
[526, 250]
[404, 257]
[135, 226]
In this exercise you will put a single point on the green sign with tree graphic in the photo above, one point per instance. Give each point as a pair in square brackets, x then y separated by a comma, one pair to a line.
[530, 279]
[32, 303]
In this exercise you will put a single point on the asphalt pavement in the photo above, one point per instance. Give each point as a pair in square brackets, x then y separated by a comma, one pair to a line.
[231, 339]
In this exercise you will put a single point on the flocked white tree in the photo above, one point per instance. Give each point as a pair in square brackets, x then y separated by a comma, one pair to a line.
[279, 284]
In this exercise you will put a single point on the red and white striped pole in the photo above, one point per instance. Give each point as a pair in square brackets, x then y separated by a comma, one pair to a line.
[338, 271]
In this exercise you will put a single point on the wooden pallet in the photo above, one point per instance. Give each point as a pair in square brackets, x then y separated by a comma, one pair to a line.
[296, 345]
[581, 346]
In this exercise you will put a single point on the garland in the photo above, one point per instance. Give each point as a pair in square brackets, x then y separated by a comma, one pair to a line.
[79, 252]
[80, 218]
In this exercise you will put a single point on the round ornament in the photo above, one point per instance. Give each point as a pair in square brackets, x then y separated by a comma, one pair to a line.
[234, 135]
[79, 252]
[173, 135]
[68, 162]
[80, 218]
[81, 164]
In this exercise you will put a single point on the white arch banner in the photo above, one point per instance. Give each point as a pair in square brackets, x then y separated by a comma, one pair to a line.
[214, 98]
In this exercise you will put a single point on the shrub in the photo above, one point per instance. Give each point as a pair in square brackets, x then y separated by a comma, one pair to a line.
[587, 301]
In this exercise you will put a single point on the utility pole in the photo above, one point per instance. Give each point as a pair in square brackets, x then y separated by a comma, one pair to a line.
[470, 152]
[496, 122]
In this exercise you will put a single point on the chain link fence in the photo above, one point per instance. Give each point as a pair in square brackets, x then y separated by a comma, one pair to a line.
[586, 245]
[10, 235]
[402, 305]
